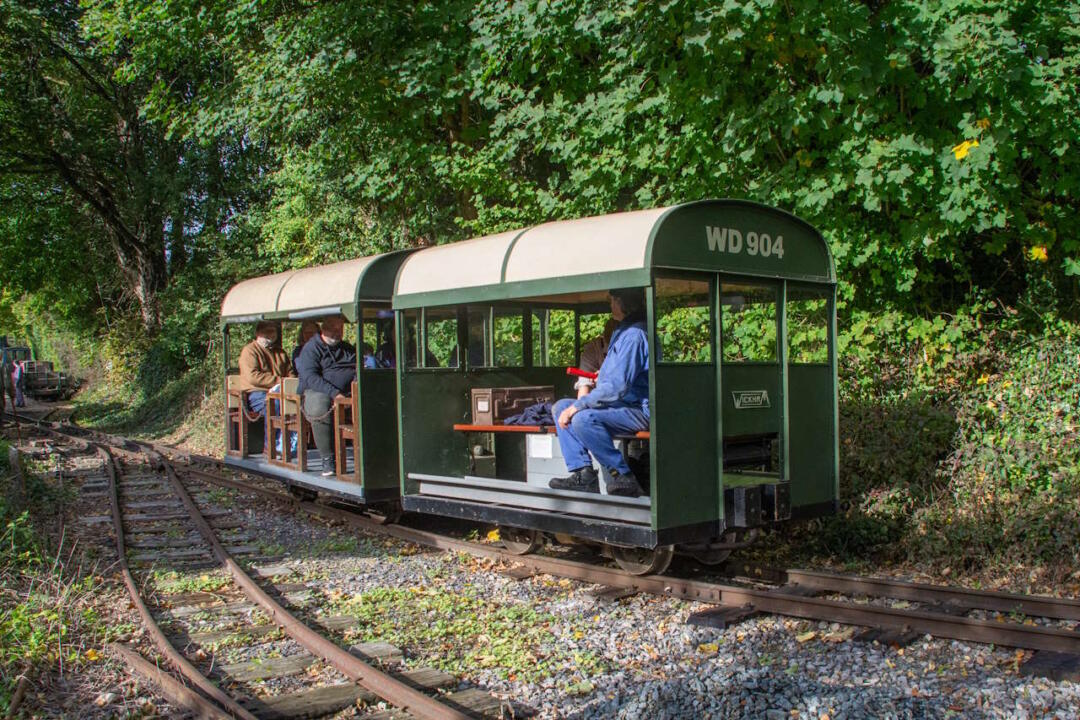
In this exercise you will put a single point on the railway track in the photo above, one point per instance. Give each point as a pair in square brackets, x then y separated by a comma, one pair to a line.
[894, 611]
[157, 521]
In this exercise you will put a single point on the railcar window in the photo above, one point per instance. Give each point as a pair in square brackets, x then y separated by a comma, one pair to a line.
[560, 338]
[239, 335]
[411, 341]
[748, 322]
[509, 338]
[377, 339]
[539, 338]
[442, 336]
[683, 321]
[479, 318]
[807, 315]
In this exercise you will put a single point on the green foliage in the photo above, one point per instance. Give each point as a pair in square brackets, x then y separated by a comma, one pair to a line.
[47, 611]
[464, 118]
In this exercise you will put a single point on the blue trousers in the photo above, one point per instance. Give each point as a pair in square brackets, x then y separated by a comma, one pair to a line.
[257, 401]
[594, 431]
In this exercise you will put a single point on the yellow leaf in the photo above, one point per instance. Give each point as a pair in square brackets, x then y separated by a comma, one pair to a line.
[806, 636]
[708, 648]
[983, 379]
[961, 151]
[1037, 253]
[840, 635]
[93, 655]
[493, 536]
[578, 635]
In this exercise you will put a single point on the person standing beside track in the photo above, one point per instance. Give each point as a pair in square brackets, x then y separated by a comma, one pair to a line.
[619, 403]
[327, 369]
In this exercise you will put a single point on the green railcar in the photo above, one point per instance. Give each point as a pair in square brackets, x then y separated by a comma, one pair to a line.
[741, 315]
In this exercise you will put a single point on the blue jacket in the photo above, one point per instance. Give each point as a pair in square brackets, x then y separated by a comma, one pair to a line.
[623, 380]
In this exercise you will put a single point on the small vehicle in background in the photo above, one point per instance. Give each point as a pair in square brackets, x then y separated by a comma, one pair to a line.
[40, 379]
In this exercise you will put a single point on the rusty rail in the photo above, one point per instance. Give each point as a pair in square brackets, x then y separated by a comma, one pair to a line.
[169, 687]
[178, 661]
[382, 684]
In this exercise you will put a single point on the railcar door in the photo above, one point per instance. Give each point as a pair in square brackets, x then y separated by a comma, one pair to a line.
[752, 400]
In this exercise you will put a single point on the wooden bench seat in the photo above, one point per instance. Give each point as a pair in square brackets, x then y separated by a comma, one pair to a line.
[535, 429]
[347, 433]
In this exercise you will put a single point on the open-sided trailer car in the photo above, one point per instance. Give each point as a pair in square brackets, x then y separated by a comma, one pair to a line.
[364, 425]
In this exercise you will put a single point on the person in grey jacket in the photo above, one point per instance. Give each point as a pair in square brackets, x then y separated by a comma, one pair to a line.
[327, 367]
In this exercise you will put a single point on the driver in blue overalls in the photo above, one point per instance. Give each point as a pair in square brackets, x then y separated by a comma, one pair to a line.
[619, 404]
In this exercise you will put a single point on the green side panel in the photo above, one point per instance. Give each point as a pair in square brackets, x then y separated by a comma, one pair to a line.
[510, 462]
[685, 488]
[737, 236]
[378, 413]
[433, 401]
[751, 378]
[812, 436]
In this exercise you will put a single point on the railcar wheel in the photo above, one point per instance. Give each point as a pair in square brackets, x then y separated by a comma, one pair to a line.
[303, 494]
[520, 541]
[643, 561]
[711, 556]
[385, 514]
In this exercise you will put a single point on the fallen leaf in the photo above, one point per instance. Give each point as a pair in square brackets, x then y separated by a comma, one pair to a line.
[806, 636]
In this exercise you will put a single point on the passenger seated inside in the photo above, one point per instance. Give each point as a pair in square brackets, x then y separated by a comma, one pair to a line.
[327, 369]
[369, 361]
[262, 364]
[592, 357]
[618, 404]
[308, 330]
[384, 354]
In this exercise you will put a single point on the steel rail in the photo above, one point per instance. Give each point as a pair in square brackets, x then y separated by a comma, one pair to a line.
[178, 661]
[1034, 605]
[168, 686]
[382, 684]
[775, 601]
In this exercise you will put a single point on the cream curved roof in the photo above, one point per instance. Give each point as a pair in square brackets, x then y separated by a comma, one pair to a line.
[325, 286]
[468, 263]
[564, 248]
[582, 247]
[256, 296]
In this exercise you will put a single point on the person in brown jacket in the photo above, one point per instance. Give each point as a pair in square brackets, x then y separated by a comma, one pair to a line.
[262, 365]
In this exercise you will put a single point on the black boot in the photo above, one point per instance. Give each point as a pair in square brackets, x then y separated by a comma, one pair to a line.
[582, 480]
[328, 467]
[624, 484]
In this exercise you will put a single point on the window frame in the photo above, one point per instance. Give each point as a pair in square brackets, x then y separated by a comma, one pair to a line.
[777, 285]
[713, 306]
